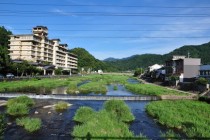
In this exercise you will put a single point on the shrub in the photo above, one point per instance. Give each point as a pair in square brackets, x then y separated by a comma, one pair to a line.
[201, 81]
[61, 106]
[173, 78]
[83, 114]
[2, 124]
[29, 124]
[119, 110]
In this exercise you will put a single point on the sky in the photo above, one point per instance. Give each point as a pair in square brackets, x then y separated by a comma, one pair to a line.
[113, 28]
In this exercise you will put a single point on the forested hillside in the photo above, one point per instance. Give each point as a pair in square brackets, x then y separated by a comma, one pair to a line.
[86, 61]
[145, 60]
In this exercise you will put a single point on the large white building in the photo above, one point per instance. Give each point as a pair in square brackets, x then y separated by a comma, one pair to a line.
[38, 48]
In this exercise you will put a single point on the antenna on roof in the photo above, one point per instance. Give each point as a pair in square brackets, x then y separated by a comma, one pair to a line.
[188, 54]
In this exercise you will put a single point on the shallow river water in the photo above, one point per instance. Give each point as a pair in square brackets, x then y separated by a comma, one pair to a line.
[57, 125]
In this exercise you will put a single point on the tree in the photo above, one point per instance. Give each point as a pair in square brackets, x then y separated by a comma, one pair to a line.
[4, 53]
[138, 72]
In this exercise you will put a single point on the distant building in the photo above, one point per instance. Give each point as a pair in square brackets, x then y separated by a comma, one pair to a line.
[204, 71]
[184, 68]
[154, 67]
[100, 71]
[38, 48]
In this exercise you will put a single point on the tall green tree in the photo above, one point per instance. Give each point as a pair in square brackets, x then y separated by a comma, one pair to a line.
[4, 53]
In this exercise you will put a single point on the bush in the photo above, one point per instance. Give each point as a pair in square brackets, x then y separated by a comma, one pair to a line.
[201, 81]
[83, 114]
[29, 124]
[2, 124]
[173, 78]
[17, 109]
[61, 106]
[119, 110]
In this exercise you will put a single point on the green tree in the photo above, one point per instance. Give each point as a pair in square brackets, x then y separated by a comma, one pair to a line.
[88, 61]
[4, 53]
[58, 71]
[138, 72]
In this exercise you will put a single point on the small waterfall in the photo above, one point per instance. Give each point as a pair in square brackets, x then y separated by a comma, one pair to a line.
[70, 97]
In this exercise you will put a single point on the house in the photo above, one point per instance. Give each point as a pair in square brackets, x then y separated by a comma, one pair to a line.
[204, 71]
[154, 67]
[185, 68]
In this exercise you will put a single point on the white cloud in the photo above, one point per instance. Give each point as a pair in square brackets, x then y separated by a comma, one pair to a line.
[62, 12]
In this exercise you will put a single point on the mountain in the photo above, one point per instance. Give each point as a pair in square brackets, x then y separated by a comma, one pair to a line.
[86, 61]
[142, 61]
[110, 59]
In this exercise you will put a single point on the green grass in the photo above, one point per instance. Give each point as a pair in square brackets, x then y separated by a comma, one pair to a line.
[72, 88]
[30, 124]
[83, 114]
[104, 123]
[191, 117]
[119, 110]
[19, 106]
[61, 105]
[149, 89]
[115, 87]
[32, 85]
[95, 87]
[2, 125]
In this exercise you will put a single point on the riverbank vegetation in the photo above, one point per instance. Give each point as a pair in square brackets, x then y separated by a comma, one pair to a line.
[191, 117]
[61, 105]
[2, 125]
[107, 122]
[19, 106]
[32, 85]
[149, 89]
[29, 124]
[95, 84]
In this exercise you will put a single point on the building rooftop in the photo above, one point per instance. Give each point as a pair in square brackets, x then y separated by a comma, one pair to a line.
[44, 27]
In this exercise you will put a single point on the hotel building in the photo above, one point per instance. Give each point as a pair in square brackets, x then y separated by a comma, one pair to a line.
[38, 48]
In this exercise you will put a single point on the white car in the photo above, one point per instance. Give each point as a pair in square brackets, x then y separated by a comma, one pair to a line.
[10, 75]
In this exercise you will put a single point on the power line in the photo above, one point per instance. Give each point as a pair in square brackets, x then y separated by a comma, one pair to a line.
[120, 30]
[112, 14]
[137, 37]
[101, 5]
[110, 23]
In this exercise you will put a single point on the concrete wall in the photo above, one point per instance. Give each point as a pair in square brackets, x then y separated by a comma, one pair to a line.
[191, 71]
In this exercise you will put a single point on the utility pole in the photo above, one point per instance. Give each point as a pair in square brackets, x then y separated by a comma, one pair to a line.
[188, 54]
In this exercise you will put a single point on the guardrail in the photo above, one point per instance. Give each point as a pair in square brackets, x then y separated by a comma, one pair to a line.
[81, 97]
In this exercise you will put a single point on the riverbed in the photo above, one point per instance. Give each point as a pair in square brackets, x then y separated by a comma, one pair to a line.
[59, 125]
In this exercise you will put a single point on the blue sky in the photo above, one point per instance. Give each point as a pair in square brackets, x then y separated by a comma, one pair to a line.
[113, 28]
